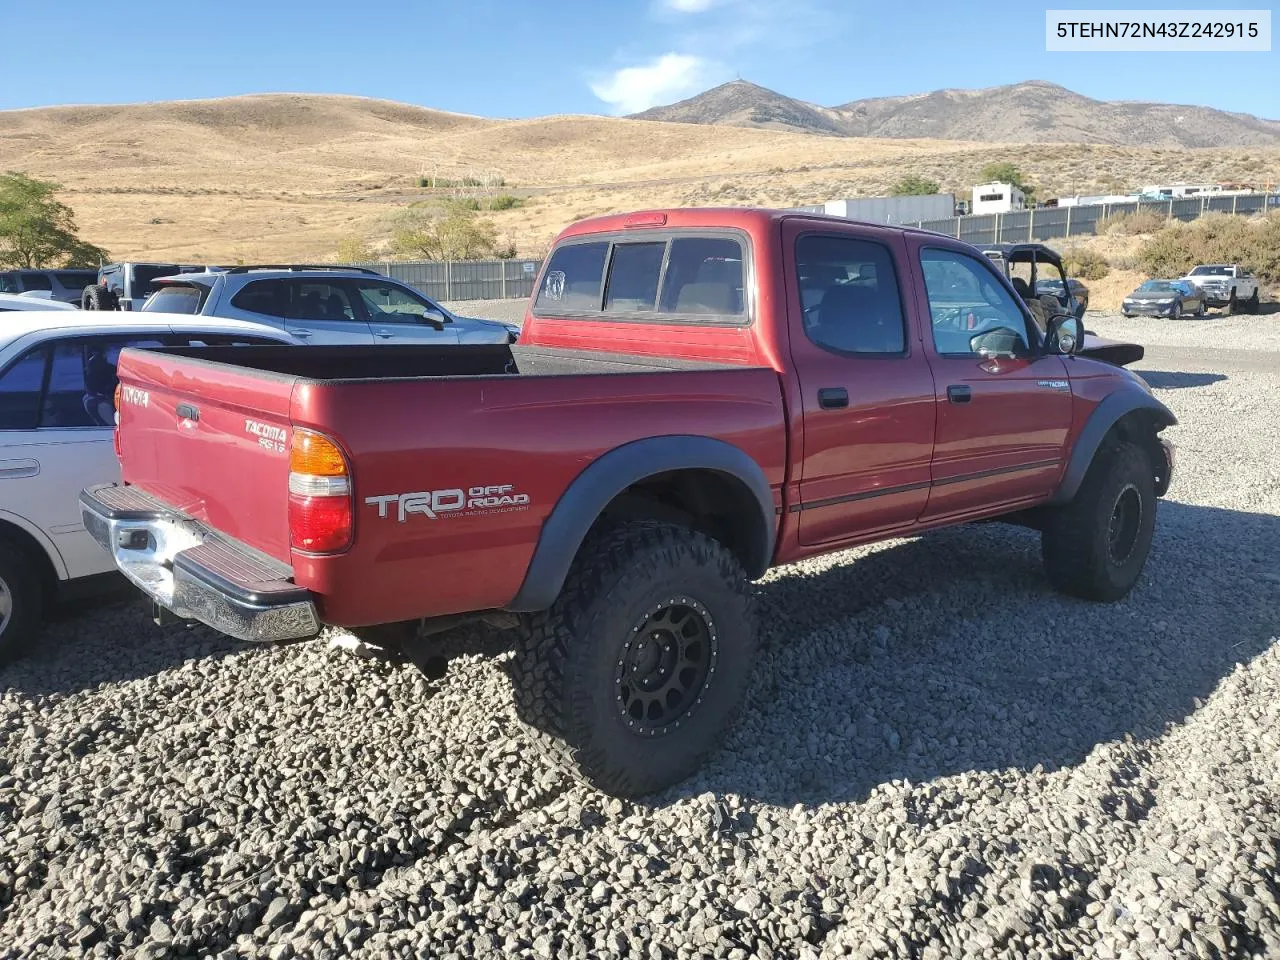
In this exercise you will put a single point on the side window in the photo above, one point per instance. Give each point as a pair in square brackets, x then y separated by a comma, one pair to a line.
[704, 276]
[320, 300]
[389, 303]
[36, 281]
[971, 311]
[9, 283]
[573, 277]
[269, 297]
[633, 277]
[20, 388]
[849, 292]
[82, 382]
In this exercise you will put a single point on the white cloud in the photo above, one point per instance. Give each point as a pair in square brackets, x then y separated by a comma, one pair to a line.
[672, 76]
[687, 6]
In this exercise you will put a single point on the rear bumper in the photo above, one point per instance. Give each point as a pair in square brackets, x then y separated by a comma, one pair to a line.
[195, 573]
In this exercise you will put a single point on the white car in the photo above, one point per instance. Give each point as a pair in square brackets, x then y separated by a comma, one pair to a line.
[27, 301]
[57, 415]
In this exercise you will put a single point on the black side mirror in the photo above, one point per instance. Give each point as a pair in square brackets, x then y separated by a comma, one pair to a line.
[1064, 335]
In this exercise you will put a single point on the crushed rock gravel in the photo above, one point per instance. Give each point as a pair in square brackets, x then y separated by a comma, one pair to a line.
[939, 757]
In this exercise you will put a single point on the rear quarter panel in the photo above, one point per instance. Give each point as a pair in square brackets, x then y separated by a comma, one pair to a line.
[532, 433]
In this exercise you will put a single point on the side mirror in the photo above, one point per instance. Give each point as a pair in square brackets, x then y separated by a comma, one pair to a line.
[435, 318]
[1065, 335]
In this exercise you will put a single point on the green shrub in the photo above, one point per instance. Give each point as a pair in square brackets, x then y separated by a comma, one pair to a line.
[1252, 242]
[1130, 224]
[1085, 264]
[505, 201]
[913, 186]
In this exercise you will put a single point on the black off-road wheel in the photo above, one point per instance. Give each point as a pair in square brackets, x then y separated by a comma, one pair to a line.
[21, 602]
[1232, 306]
[1253, 302]
[639, 667]
[97, 297]
[1096, 546]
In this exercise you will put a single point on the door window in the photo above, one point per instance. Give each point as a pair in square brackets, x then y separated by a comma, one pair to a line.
[20, 388]
[82, 382]
[971, 312]
[320, 300]
[36, 281]
[849, 294]
[390, 303]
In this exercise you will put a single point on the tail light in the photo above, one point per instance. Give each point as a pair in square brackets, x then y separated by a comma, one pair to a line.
[320, 509]
[115, 433]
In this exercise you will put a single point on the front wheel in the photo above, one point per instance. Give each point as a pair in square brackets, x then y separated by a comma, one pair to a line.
[1200, 310]
[1231, 304]
[1096, 546]
[1253, 302]
[639, 666]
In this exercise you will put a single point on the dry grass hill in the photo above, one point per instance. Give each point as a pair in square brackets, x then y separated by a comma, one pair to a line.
[275, 177]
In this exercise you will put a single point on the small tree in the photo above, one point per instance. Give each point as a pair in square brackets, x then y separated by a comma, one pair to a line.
[913, 186]
[1007, 173]
[354, 249]
[454, 233]
[39, 230]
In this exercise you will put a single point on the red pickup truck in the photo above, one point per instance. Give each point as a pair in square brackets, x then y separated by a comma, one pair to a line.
[697, 395]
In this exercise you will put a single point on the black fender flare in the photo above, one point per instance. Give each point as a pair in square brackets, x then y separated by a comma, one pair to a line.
[1105, 416]
[595, 487]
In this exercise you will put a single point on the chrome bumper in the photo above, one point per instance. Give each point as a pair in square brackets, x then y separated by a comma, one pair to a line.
[196, 574]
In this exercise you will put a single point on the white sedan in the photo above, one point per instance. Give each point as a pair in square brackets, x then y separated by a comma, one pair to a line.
[26, 301]
[57, 414]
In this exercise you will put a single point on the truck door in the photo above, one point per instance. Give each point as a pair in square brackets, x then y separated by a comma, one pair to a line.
[1003, 409]
[867, 391]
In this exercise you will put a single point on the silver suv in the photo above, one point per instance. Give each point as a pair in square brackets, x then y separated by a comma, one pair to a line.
[323, 305]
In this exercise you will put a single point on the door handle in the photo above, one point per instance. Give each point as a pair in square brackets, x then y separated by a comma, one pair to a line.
[959, 393]
[298, 332]
[833, 398]
[19, 469]
[383, 334]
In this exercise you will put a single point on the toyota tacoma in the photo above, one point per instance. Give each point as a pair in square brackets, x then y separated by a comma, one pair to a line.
[696, 396]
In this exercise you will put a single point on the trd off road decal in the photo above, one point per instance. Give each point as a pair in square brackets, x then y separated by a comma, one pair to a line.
[442, 504]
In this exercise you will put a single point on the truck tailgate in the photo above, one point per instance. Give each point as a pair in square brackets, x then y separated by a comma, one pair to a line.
[216, 449]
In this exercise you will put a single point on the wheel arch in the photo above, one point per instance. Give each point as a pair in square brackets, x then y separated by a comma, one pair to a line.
[44, 556]
[1130, 414]
[703, 482]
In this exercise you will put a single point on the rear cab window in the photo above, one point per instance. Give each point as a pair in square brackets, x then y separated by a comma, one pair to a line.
[656, 276]
[177, 298]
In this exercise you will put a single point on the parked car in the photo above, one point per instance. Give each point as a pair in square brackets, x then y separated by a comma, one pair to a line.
[125, 286]
[324, 305]
[25, 301]
[1033, 268]
[1226, 285]
[696, 396]
[57, 411]
[1164, 298]
[65, 285]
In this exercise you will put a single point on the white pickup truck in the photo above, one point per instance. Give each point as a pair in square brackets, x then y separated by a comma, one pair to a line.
[1226, 285]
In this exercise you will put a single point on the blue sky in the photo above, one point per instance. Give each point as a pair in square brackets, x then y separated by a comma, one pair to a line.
[519, 59]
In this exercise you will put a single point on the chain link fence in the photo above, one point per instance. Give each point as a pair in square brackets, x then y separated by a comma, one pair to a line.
[1057, 223]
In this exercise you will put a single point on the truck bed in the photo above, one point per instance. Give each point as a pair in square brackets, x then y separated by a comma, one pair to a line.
[207, 431]
[380, 363]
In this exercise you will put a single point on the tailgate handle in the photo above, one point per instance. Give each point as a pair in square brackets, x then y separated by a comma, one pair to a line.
[188, 411]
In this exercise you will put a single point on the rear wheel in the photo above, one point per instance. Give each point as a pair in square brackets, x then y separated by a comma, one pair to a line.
[1231, 304]
[1096, 546]
[97, 297]
[1253, 302]
[639, 666]
[21, 602]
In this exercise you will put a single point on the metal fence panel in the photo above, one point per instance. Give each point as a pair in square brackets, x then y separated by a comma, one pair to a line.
[1188, 208]
[978, 229]
[946, 225]
[1049, 223]
[463, 279]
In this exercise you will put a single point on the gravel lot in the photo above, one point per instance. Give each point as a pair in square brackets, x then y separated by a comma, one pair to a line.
[939, 758]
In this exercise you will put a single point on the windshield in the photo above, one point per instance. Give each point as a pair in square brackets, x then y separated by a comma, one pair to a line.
[1215, 271]
[174, 298]
[1158, 286]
